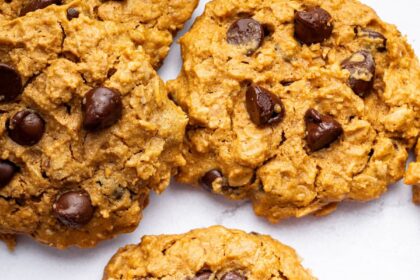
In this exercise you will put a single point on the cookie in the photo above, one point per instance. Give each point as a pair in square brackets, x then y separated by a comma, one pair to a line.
[86, 128]
[9, 240]
[296, 105]
[412, 176]
[207, 254]
[152, 24]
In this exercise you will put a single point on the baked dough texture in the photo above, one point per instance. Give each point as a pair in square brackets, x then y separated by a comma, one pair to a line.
[207, 254]
[150, 23]
[77, 185]
[322, 88]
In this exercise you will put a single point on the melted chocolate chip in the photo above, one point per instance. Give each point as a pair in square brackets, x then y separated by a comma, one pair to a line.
[246, 32]
[211, 176]
[7, 171]
[233, 276]
[72, 13]
[264, 108]
[34, 5]
[322, 130]
[361, 66]
[74, 208]
[10, 83]
[204, 275]
[313, 25]
[102, 108]
[26, 128]
[379, 38]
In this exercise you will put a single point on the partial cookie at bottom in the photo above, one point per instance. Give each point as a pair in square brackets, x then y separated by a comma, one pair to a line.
[214, 253]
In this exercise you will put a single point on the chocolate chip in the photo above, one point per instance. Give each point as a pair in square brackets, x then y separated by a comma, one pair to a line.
[264, 108]
[34, 5]
[102, 108]
[208, 179]
[26, 128]
[233, 276]
[246, 32]
[321, 130]
[117, 193]
[7, 171]
[203, 275]
[72, 13]
[313, 25]
[361, 66]
[73, 208]
[10, 83]
[378, 37]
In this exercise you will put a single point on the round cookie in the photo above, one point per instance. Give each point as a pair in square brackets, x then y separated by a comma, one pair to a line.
[296, 105]
[151, 24]
[87, 133]
[412, 176]
[214, 253]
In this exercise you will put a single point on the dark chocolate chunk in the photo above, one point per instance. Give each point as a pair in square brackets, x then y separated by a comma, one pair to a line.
[322, 130]
[233, 276]
[10, 83]
[202, 275]
[7, 172]
[246, 32]
[361, 66]
[379, 38]
[313, 25]
[26, 128]
[72, 13]
[211, 176]
[102, 108]
[264, 108]
[34, 5]
[73, 208]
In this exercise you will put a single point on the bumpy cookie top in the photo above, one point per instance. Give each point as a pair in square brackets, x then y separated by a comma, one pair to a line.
[412, 176]
[296, 104]
[86, 128]
[215, 253]
[151, 23]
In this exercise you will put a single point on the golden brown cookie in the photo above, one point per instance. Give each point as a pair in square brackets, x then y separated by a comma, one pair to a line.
[296, 105]
[86, 128]
[214, 253]
[412, 176]
[151, 24]
[10, 240]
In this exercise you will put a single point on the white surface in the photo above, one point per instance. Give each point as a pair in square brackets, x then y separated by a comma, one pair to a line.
[379, 240]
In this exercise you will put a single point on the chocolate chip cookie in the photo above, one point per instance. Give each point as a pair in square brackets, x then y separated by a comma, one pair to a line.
[207, 254]
[151, 24]
[296, 105]
[412, 176]
[86, 128]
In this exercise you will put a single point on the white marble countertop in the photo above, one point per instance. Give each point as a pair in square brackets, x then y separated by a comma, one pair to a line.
[378, 240]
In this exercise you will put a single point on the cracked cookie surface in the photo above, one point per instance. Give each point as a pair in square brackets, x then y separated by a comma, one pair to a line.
[89, 133]
[412, 176]
[214, 253]
[296, 105]
[151, 24]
